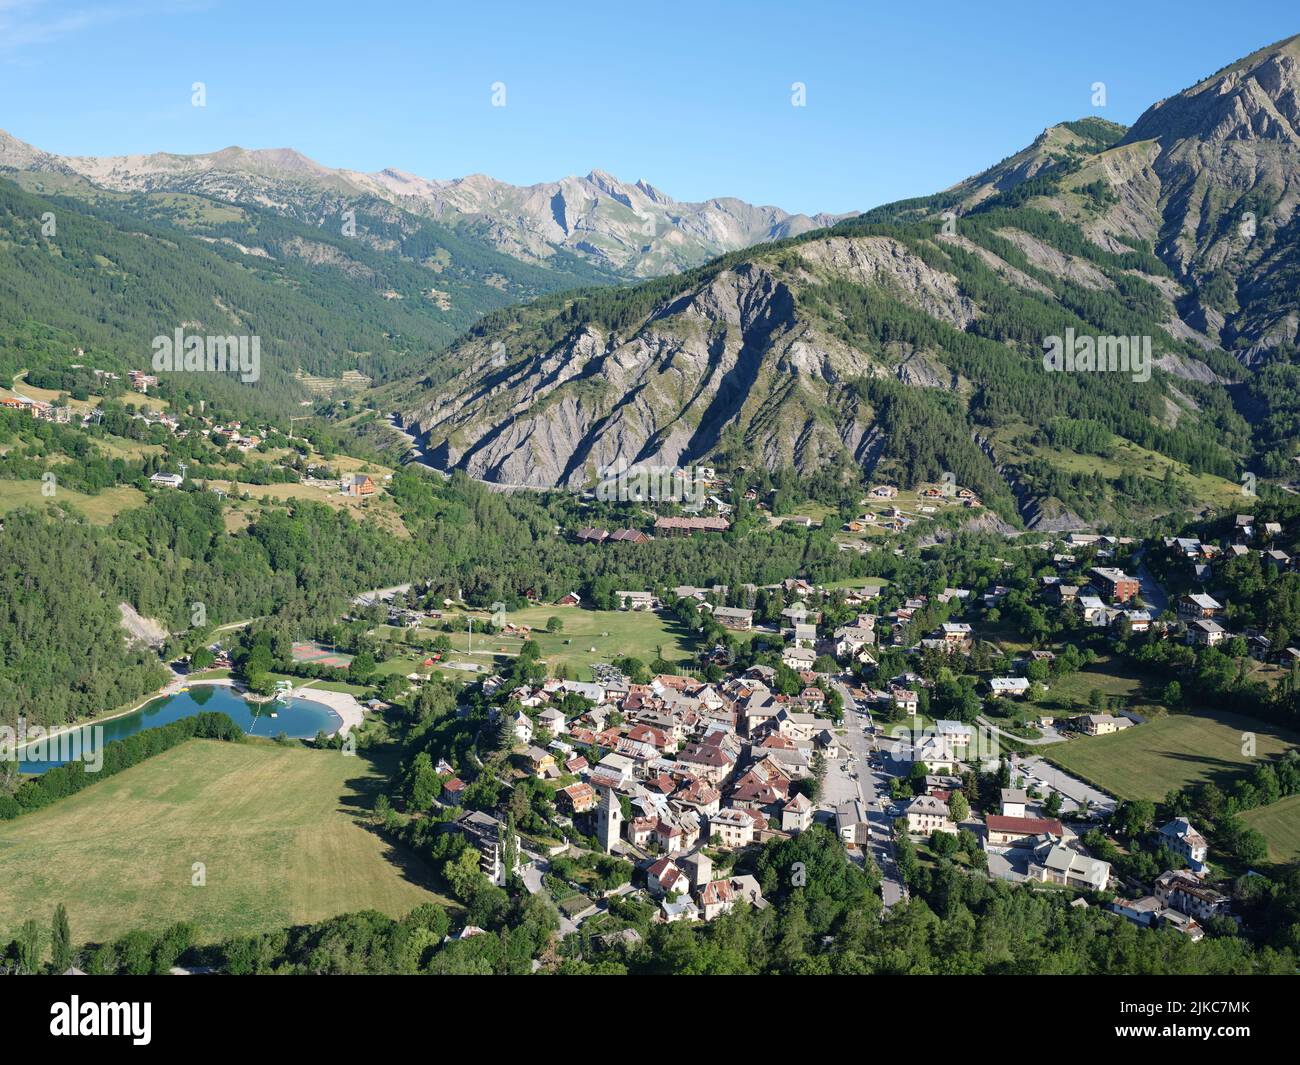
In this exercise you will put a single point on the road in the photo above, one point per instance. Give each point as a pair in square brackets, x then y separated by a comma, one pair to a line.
[1050, 735]
[1152, 594]
[870, 786]
[532, 874]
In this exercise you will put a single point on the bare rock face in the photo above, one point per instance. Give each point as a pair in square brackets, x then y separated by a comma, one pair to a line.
[1211, 177]
[732, 354]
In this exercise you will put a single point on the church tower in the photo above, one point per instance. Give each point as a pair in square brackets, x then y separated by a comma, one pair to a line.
[609, 820]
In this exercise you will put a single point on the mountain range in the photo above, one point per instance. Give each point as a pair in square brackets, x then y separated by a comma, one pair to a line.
[908, 341]
[631, 230]
[539, 336]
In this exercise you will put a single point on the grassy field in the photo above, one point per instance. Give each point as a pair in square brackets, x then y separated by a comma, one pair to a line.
[379, 507]
[1115, 679]
[1148, 761]
[1279, 823]
[277, 828]
[588, 636]
[99, 509]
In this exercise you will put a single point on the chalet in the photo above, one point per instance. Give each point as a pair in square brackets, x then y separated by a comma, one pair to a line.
[1063, 593]
[591, 535]
[1277, 560]
[956, 632]
[359, 485]
[1056, 864]
[541, 762]
[734, 618]
[569, 599]
[1137, 620]
[453, 791]
[1205, 633]
[1008, 686]
[688, 526]
[629, 536]
[1100, 724]
[1198, 607]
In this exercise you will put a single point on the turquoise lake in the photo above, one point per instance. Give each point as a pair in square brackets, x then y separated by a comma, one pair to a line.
[296, 718]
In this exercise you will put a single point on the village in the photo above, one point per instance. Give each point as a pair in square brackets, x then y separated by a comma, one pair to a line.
[679, 778]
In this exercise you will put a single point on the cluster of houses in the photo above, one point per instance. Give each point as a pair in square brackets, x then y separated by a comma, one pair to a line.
[46, 412]
[685, 525]
[657, 771]
[893, 518]
[1200, 615]
[1041, 849]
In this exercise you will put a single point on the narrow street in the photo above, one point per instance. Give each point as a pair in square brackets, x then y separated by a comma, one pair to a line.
[871, 786]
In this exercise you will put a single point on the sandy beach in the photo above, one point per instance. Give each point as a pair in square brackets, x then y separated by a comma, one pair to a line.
[343, 704]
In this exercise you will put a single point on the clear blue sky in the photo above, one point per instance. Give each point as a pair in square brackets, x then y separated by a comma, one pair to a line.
[902, 98]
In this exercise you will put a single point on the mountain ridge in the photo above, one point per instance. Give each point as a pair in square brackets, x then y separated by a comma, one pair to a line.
[827, 348]
[633, 229]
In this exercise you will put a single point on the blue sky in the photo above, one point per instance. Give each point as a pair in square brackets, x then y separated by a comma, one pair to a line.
[902, 98]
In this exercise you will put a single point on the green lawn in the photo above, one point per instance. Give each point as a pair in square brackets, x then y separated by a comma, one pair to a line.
[612, 634]
[279, 830]
[1149, 760]
[1279, 823]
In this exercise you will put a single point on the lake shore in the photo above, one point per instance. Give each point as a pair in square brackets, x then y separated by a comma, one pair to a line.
[350, 712]
[346, 706]
[171, 688]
